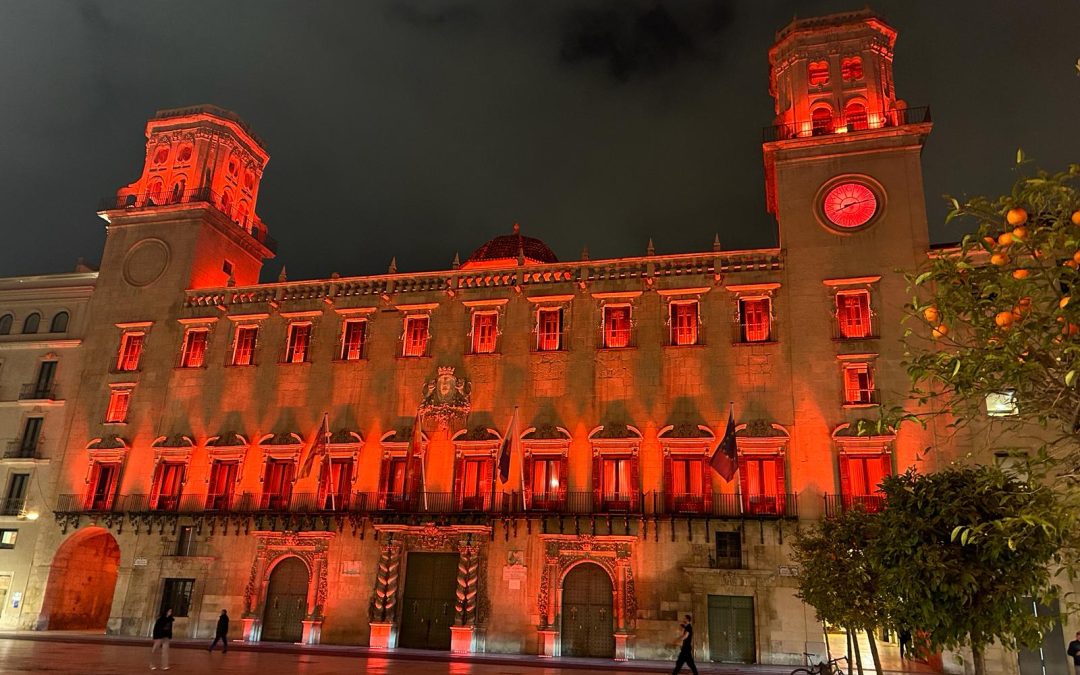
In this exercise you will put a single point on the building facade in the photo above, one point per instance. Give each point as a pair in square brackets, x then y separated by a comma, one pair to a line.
[203, 393]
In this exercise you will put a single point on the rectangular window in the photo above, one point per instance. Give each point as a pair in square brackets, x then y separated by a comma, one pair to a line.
[167, 487]
[185, 541]
[43, 387]
[193, 352]
[296, 347]
[416, 336]
[728, 551]
[244, 345]
[549, 329]
[858, 384]
[616, 326]
[860, 480]
[762, 483]
[131, 345]
[684, 323]
[336, 484]
[853, 314]
[176, 596]
[103, 486]
[8, 537]
[119, 401]
[755, 319]
[222, 480]
[475, 483]
[395, 476]
[277, 484]
[687, 485]
[15, 498]
[352, 339]
[546, 481]
[485, 332]
[617, 489]
[28, 444]
[1001, 404]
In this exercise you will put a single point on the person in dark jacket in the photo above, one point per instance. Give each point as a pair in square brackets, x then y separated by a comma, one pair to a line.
[1074, 652]
[162, 634]
[222, 633]
[686, 649]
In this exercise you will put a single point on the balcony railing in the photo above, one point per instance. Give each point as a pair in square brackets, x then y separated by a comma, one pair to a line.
[583, 503]
[862, 397]
[850, 124]
[250, 222]
[837, 504]
[36, 391]
[12, 506]
[23, 448]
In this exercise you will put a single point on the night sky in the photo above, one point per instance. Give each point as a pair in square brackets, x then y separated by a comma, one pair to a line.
[421, 128]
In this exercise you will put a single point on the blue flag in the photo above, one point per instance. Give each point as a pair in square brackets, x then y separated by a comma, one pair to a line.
[724, 460]
[505, 450]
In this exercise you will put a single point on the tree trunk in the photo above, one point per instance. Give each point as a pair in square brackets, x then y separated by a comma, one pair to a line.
[978, 659]
[853, 636]
[850, 656]
[874, 650]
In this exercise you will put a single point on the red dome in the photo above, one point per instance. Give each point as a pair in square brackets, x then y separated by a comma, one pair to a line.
[504, 250]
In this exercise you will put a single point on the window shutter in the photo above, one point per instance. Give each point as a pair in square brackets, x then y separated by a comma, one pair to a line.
[564, 476]
[781, 484]
[886, 470]
[527, 475]
[635, 482]
[597, 479]
[845, 476]
[486, 481]
[744, 482]
[459, 471]
[415, 475]
[669, 483]
[706, 484]
[155, 491]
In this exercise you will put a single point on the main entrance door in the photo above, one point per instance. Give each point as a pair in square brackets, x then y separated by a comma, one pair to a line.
[286, 602]
[588, 628]
[731, 628]
[430, 595]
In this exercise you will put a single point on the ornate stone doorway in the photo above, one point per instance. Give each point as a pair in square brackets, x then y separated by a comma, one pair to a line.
[587, 626]
[82, 580]
[286, 602]
[429, 600]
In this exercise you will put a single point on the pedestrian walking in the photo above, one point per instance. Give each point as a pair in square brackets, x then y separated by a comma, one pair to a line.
[1074, 652]
[686, 650]
[162, 634]
[222, 633]
[905, 643]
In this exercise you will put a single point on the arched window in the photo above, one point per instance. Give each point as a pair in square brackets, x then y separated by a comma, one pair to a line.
[5, 324]
[821, 120]
[59, 323]
[855, 115]
[153, 192]
[851, 69]
[178, 190]
[32, 323]
[818, 73]
[226, 203]
[184, 155]
[241, 212]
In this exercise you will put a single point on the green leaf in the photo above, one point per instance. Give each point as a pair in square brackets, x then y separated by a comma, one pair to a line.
[1070, 377]
[923, 277]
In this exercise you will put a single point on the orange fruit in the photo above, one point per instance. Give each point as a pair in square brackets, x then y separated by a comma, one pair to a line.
[1020, 232]
[941, 331]
[1076, 257]
[1064, 301]
[990, 240]
[999, 259]
[1070, 330]
[1004, 319]
[1017, 216]
[1076, 218]
[1004, 239]
[1070, 263]
[1024, 301]
[931, 314]
[1020, 274]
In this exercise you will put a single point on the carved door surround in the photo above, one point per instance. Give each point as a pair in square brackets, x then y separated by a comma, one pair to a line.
[563, 552]
[273, 547]
[471, 606]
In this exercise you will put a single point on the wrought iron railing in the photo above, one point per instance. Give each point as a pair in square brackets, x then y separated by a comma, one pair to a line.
[723, 505]
[23, 448]
[837, 504]
[38, 391]
[12, 506]
[846, 124]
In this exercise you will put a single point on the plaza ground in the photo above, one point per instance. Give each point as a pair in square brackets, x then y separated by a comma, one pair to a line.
[81, 653]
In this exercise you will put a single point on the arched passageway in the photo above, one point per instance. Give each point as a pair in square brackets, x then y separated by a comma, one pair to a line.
[82, 579]
[286, 602]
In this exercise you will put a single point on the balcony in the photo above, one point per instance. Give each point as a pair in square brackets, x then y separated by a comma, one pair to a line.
[12, 506]
[722, 505]
[838, 504]
[859, 123]
[23, 448]
[36, 391]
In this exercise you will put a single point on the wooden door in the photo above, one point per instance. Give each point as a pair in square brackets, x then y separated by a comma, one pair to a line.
[286, 602]
[731, 628]
[427, 611]
[588, 628]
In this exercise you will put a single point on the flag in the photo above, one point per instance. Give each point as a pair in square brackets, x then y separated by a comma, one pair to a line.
[316, 447]
[724, 460]
[415, 446]
[509, 440]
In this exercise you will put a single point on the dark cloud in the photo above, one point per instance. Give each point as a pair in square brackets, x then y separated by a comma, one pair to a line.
[432, 14]
[629, 39]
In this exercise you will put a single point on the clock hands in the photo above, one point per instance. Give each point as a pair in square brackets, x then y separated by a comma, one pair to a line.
[850, 204]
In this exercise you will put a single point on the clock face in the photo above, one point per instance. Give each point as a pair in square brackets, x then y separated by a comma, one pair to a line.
[849, 204]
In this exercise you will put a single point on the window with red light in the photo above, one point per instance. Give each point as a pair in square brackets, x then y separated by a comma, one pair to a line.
[549, 329]
[167, 486]
[335, 484]
[821, 119]
[684, 322]
[860, 479]
[352, 339]
[244, 345]
[855, 116]
[119, 400]
[615, 481]
[155, 192]
[184, 155]
[755, 319]
[859, 384]
[485, 332]
[296, 346]
[416, 336]
[818, 73]
[761, 479]
[617, 326]
[395, 476]
[193, 352]
[546, 480]
[853, 314]
[277, 484]
[851, 69]
[131, 344]
[474, 481]
[221, 485]
[686, 482]
[104, 478]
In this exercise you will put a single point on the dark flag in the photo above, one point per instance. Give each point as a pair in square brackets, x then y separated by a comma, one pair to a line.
[724, 459]
[416, 446]
[316, 447]
[509, 440]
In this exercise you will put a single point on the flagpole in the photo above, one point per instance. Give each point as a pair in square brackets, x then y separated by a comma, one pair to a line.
[420, 456]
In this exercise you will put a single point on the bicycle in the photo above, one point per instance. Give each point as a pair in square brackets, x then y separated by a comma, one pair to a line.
[830, 667]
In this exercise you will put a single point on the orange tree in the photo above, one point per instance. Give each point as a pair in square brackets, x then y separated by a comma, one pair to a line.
[1001, 312]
